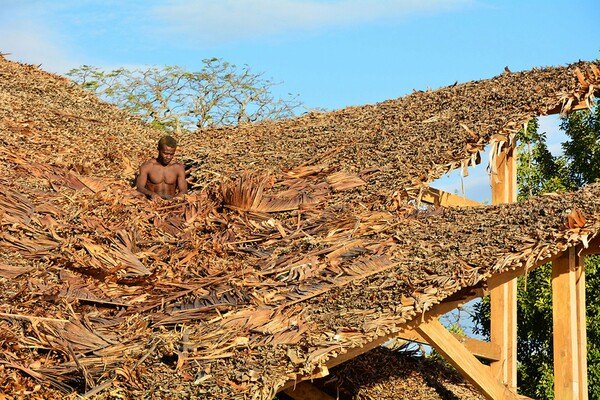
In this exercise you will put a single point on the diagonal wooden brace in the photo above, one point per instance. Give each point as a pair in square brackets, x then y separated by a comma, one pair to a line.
[456, 354]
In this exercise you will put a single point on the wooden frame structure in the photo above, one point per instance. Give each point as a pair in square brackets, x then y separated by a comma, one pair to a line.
[499, 380]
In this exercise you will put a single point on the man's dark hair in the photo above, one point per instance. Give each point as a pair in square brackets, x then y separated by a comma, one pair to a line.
[168, 141]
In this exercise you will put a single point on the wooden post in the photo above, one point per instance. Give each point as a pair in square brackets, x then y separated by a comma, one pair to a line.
[581, 325]
[568, 313]
[503, 329]
[504, 182]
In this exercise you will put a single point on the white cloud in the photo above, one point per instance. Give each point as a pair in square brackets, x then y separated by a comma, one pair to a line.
[26, 33]
[231, 20]
[64, 34]
[29, 43]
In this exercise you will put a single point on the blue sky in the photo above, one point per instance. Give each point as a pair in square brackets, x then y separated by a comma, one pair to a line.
[331, 53]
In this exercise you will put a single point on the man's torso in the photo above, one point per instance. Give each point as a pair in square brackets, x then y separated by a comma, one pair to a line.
[162, 180]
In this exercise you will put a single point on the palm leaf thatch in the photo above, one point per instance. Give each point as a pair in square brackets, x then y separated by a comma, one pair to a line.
[304, 248]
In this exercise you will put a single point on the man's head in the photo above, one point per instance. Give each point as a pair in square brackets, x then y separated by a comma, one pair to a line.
[168, 141]
[166, 149]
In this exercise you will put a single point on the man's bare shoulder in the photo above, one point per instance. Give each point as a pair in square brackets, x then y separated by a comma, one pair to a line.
[149, 163]
[177, 165]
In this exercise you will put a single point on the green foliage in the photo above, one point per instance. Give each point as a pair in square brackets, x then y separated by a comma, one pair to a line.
[534, 345]
[174, 99]
[592, 265]
[583, 150]
[539, 172]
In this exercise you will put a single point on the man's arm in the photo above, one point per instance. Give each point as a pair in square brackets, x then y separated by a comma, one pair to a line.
[182, 185]
[141, 181]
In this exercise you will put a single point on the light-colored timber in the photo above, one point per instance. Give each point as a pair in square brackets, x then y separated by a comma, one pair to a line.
[581, 325]
[441, 198]
[568, 379]
[456, 354]
[503, 329]
[479, 348]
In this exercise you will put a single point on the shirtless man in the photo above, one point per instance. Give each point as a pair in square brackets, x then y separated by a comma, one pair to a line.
[160, 178]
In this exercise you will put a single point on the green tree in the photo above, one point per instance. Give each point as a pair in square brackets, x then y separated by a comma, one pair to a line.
[539, 172]
[175, 99]
[583, 148]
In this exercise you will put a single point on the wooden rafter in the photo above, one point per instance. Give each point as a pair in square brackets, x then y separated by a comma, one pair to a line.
[479, 348]
[440, 198]
[455, 353]
[435, 312]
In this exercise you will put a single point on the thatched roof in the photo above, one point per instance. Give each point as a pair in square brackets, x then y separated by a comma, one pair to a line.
[405, 143]
[264, 275]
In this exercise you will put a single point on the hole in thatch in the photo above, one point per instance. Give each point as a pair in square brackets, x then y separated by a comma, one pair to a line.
[169, 359]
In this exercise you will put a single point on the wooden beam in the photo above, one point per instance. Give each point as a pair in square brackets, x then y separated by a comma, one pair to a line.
[456, 354]
[440, 198]
[436, 311]
[507, 276]
[306, 391]
[568, 379]
[479, 348]
[503, 297]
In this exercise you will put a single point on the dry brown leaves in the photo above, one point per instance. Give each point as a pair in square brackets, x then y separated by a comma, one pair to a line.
[234, 289]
